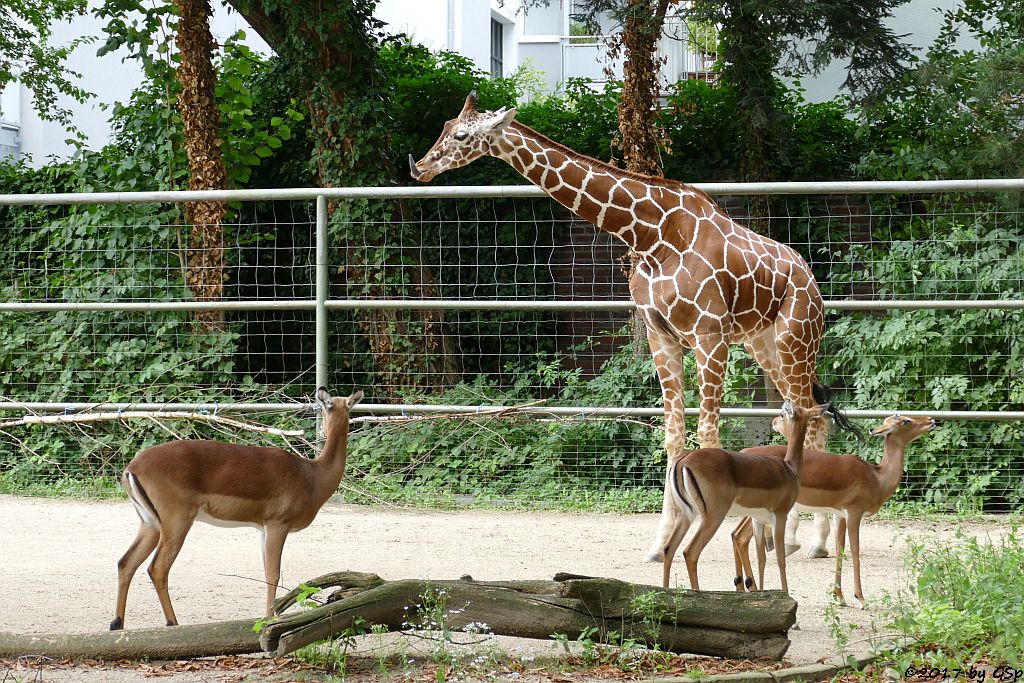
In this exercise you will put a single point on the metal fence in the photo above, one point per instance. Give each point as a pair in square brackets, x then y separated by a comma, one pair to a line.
[496, 297]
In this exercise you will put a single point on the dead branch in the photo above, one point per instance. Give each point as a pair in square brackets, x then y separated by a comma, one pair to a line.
[149, 415]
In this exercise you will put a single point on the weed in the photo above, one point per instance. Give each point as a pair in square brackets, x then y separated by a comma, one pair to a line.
[964, 603]
[332, 655]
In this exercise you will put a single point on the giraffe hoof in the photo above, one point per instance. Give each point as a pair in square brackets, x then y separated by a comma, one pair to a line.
[792, 548]
[816, 552]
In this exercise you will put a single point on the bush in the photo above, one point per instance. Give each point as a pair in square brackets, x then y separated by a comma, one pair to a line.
[964, 606]
[601, 461]
[941, 360]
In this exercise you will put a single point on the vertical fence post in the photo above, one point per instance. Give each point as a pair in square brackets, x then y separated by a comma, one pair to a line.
[323, 286]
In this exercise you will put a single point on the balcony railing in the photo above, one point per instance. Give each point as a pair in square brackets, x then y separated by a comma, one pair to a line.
[586, 57]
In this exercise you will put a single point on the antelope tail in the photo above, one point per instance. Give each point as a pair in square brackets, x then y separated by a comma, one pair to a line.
[140, 499]
[686, 491]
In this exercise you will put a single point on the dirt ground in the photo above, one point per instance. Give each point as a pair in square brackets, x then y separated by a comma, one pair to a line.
[57, 565]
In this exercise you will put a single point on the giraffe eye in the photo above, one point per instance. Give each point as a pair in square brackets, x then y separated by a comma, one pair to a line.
[461, 135]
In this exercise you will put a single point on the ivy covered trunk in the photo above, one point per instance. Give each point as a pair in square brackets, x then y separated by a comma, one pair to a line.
[638, 107]
[333, 51]
[204, 262]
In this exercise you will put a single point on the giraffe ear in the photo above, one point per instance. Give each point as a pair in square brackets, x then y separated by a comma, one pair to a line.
[497, 121]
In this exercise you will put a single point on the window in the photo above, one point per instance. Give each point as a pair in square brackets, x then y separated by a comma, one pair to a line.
[10, 144]
[497, 50]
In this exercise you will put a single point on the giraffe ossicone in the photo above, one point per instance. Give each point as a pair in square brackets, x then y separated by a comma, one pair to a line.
[702, 280]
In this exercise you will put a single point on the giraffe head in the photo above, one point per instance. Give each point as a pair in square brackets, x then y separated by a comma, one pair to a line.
[465, 138]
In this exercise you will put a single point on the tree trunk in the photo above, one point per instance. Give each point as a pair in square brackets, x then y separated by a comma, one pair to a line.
[201, 120]
[722, 624]
[638, 108]
[331, 48]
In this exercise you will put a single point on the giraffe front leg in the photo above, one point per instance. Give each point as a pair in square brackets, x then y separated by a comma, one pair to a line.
[712, 355]
[797, 375]
[667, 353]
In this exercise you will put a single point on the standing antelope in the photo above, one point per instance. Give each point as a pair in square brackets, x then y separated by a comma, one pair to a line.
[843, 485]
[176, 483]
[713, 483]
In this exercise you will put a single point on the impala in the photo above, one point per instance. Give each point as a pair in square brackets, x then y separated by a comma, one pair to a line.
[712, 483]
[843, 485]
[174, 484]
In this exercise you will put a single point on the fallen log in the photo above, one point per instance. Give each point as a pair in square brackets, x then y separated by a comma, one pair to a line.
[178, 642]
[724, 624]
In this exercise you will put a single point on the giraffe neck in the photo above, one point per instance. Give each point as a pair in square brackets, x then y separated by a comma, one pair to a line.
[625, 204]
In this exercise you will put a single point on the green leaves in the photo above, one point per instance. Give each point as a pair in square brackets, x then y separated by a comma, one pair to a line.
[27, 54]
[941, 360]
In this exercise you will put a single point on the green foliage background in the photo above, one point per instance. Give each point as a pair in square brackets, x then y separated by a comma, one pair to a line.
[71, 254]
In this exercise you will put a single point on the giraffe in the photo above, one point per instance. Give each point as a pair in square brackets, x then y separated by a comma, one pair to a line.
[702, 281]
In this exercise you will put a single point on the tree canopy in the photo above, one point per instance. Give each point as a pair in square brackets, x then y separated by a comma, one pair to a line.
[27, 56]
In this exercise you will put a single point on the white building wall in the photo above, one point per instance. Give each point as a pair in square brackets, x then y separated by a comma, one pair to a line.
[462, 26]
[918, 20]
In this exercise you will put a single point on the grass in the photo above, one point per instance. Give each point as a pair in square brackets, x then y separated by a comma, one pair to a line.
[68, 487]
[961, 609]
[555, 498]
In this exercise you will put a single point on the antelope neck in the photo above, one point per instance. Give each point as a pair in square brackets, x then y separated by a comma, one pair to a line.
[331, 460]
[890, 470]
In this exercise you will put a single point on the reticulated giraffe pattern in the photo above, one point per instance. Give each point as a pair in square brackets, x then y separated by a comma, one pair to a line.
[701, 281]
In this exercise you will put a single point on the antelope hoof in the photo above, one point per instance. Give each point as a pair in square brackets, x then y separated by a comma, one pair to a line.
[738, 583]
[792, 548]
[838, 595]
[117, 624]
[859, 603]
[816, 552]
[749, 583]
[171, 623]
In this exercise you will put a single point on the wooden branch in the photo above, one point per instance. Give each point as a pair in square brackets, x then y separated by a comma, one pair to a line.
[150, 415]
[177, 642]
[724, 624]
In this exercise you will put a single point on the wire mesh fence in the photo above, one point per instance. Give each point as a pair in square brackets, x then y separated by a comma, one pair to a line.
[464, 302]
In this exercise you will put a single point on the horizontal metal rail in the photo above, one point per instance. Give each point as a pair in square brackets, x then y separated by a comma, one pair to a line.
[482, 410]
[499, 191]
[470, 305]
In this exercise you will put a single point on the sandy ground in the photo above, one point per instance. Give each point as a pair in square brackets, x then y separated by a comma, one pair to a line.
[57, 563]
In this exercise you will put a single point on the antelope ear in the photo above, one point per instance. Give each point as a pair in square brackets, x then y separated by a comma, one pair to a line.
[778, 425]
[469, 107]
[323, 399]
[499, 120]
[354, 398]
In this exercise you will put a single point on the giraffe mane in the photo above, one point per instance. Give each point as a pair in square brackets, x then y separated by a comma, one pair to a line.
[611, 168]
